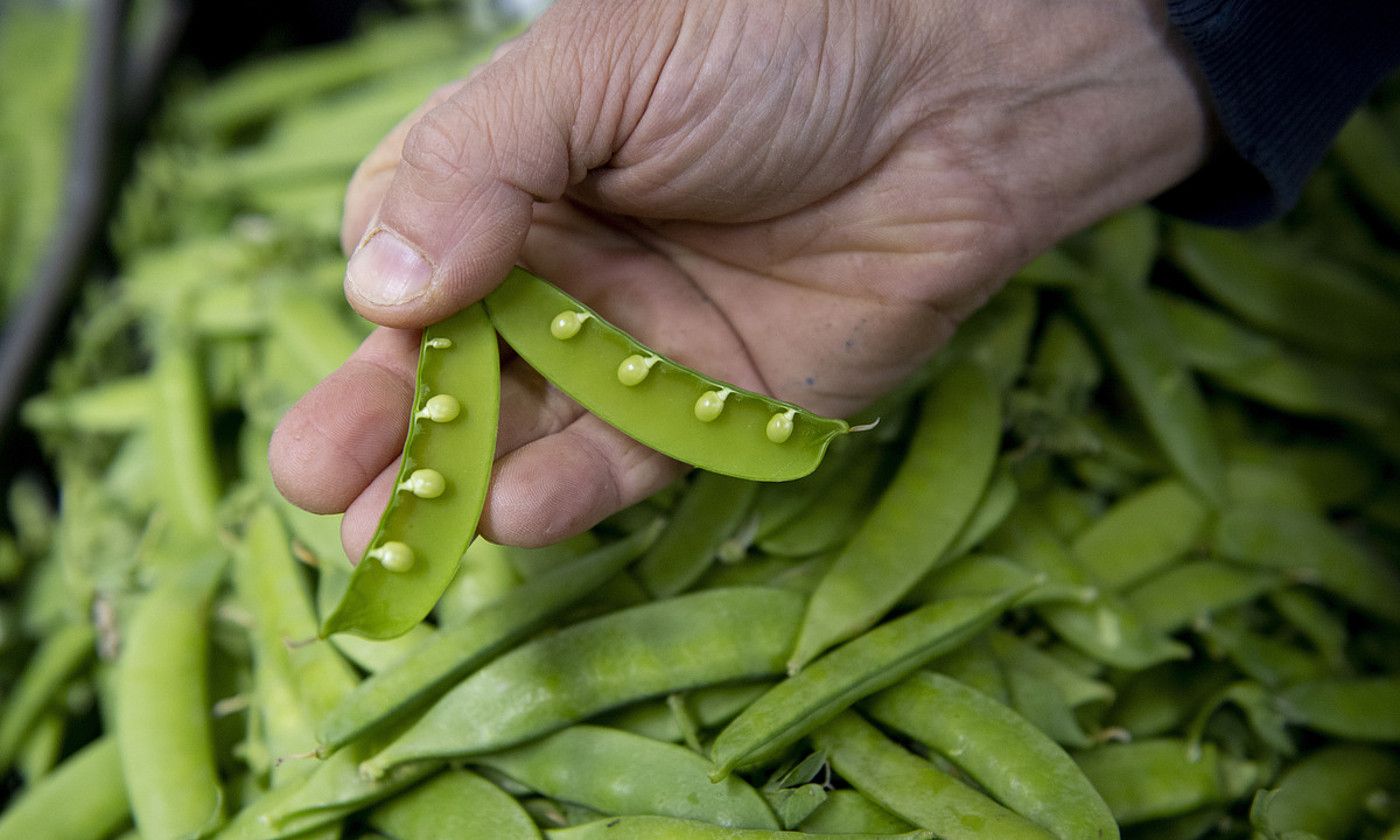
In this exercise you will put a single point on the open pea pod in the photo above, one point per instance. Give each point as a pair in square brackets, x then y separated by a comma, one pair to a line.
[665, 405]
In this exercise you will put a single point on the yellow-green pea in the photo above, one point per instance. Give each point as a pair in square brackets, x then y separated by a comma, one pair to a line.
[710, 404]
[439, 343]
[443, 408]
[425, 484]
[634, 369]
[394, 556]
[780, 426]
[567, 324]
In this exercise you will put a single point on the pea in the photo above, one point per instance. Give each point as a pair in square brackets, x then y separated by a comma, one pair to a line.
[440, 489]
[453, 805]
[663, 404]
[701, 639]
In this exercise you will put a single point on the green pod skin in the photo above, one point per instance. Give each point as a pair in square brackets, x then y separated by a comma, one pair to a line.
[660, 410]
[780, 503]
[996, 504]
[430, 532]
[1299, 296]
[616, 772]
[995, 338]
[454, 652]
[1368, 154]
[650, 828]
[708, 707]
[1142, 534]
[709, 512]
[846, 811]
[118, 406]
[795, 804]
[1177, 597]
[1315, 621]
[1003, 752]
[1309, 548]
[930, 499]
[181, 434]
[452, 806]
[162, 718]
[913, 788]
[1077, 688]
[872, 661]
[705, 638]
[1152, 779]
[831, 519]
[984, 574]
[1358, 709]
[1270, 660]
[84, 798]
[56, 661]
[1159, 700]
[1325, 793]
[1138, 342]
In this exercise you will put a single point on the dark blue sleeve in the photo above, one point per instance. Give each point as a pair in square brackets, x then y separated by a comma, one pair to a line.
[1283, 76]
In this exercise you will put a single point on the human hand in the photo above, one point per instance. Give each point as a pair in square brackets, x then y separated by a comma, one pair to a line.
[803, 198]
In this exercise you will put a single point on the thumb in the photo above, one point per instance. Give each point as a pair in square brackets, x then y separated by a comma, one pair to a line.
[454, 217]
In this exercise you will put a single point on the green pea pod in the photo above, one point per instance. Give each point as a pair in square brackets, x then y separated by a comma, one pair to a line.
[56, 661]
[996, 504]
[1369, 155]
[795, 804]
[83, 799]
[616, 772]
[779, 503]
[1310, 549]
[456, 651]
[1138, 342]
[829, 522]
[1260, 712]
[984, 574]
[118, 406]
[440, 488]
[708, 514]
[914, 789]
[181, 432]
[932, 496]
[995, 338]
[1077, 687]
[1324, 794]
[846, 811]
[708, 707]
[452, 806]
[1268, 659]
[1315, 621]
[1141, 534]
[648, 828]
[663, 404]
[1000, 750]
[1065, 369]
[868, 663]
[705, 638]
[1160, 699]
[1297, 295]
[1156, 778]
[1179, 596]
[1359, 709]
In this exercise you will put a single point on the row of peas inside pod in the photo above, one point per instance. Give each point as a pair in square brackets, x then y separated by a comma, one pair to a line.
[1122, 561]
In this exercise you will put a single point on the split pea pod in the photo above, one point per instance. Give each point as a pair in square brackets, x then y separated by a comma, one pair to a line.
[455, 805]
[616, 772]
[1152, 779]
[916, 519]
[650, 828]
[720, 635]
[53, 664]
[712, 508]
[1003, 752]
[456, 651]
[659, 402]
[440, 488]
[82, 799]
[872, 661]
[914, 789]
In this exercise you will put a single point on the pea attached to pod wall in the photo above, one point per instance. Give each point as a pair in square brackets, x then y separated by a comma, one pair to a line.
[665, 405]
[441, 486]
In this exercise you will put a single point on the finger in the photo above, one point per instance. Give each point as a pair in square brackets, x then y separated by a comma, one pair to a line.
[455, 214]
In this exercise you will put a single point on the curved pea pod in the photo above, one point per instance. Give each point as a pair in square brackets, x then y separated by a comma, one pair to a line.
[830, 520]
[1297, 295]
[864, 665]
[1000, 750]
[84, 798]
[1359, 709]
[440, 488]
[846, 811]
[616, 772]
[932, 496]
[1151, 779]
[705, 638]
[984, 574]
[452, 806]
[914, 789]
[181, 434]
[648, 828]
[456, 651]
[1138, 342]
[1325, 793]
[1141, 534]
[56, 661]
[661, 403]
[1177, 597]
[1308, 548]
[710, 511]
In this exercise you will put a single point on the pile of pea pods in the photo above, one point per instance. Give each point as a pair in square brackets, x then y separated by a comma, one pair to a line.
[1122, 561]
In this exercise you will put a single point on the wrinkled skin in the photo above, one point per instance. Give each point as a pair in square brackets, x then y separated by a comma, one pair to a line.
[801, 197]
